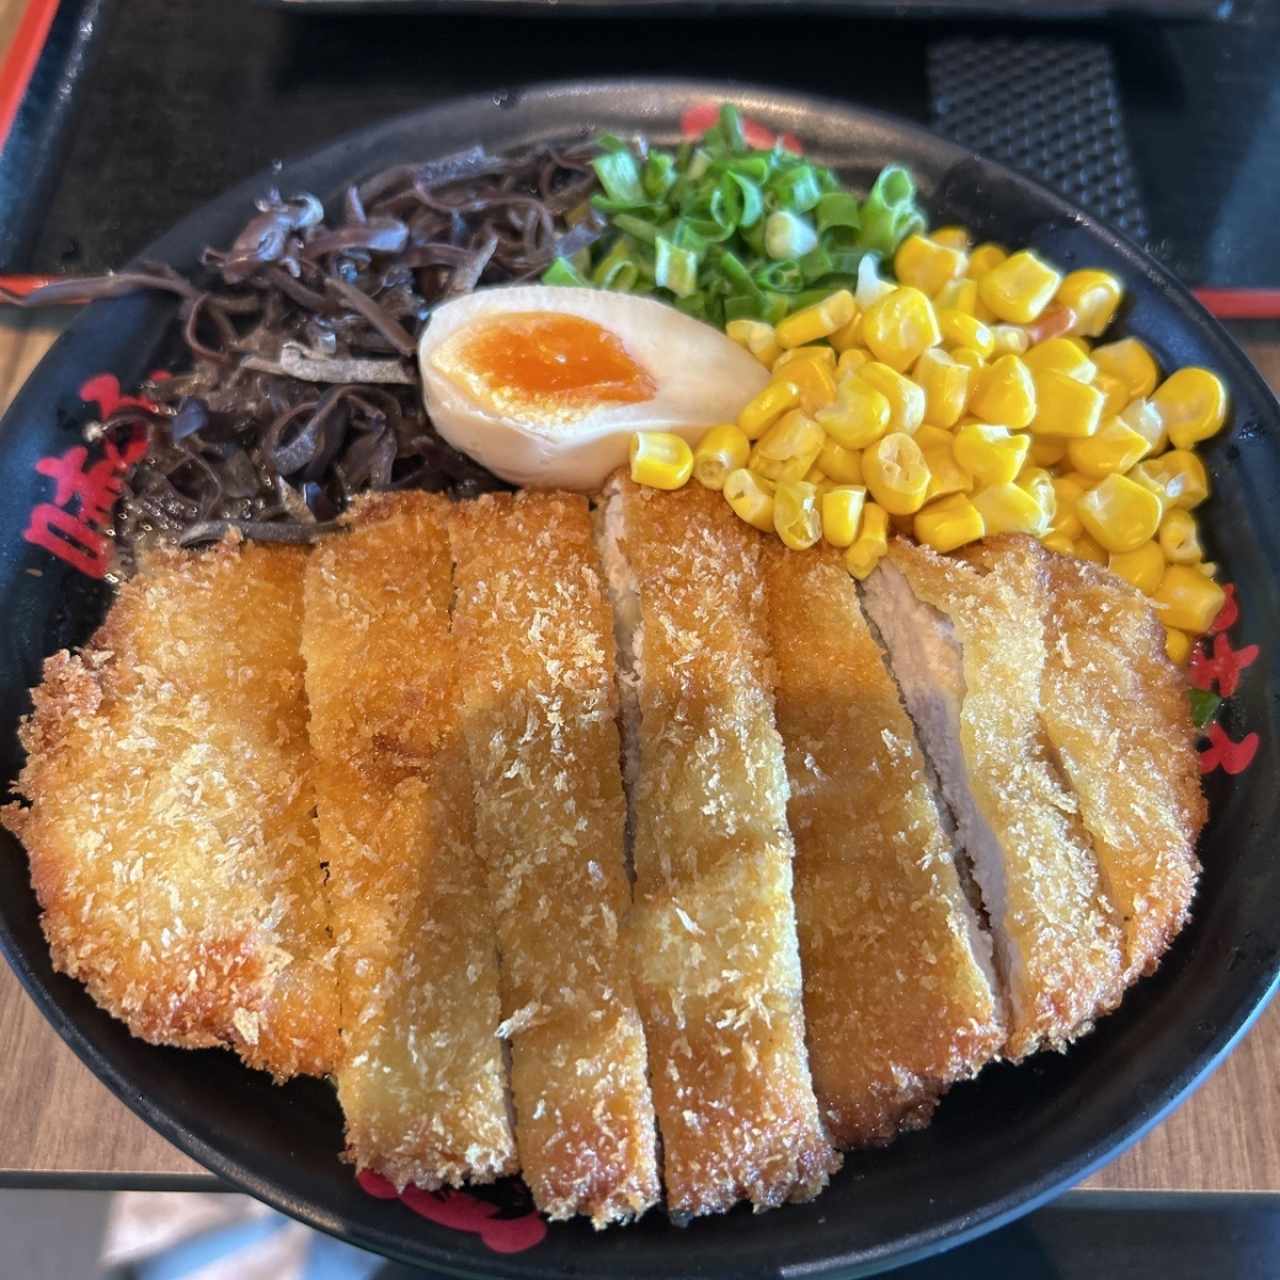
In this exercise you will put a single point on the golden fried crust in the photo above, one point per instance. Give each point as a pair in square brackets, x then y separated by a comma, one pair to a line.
[898, 1004]
[715, 942]
[1116, 711]
[170, 832]
[535, 640]
[1061, 947]
[422, 1081]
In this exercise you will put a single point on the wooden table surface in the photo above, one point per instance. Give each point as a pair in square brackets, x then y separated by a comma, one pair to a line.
[59, 1120]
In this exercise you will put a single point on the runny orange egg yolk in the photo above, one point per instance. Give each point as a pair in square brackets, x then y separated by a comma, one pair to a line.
[544, 366]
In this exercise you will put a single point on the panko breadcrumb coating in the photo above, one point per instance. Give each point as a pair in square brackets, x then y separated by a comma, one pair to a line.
[422, 1080]
[170, 829]
[535, 642]
[898, 983]
[716, 959]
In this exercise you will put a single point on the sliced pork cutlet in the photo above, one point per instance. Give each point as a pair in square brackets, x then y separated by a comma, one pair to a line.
[535, 640]
[716, 956]
[899, 993]
[170, 829]
[422, 1081]
[1116, 713]
[968, 653]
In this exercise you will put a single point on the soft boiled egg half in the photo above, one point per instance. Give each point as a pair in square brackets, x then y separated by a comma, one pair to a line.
[545, 385]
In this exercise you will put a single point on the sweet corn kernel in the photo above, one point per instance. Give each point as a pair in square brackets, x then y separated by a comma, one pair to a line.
[842, 514]
[1113, 447]
[1131, 362]
[968, 356]
[1084, 548]
[721, 450]
[1177, 644]
[992, 455]
[818, 321]
[985, 258]
[1193, 405]
[751, 497]
[1065, 407]
[906, 399]
[1115, 394]
[842, 465]
[1081, 344]
[948, 523]
[931, 437]
[848, 335]
[871, 544]
[1047, 450]
[957, 295]
[1068, 490]
[1207, 567]
[816, 379]
[851, 359]
[1179, 538]
[757, 337]
[946, 386]
[1062, 543]
[1188, 600]
[953, 237]
[798, 355]
[1020, 287]
[1143, 567]
[660, 459]
[1093, 296]
[762, 412]
[1178, 477]
[946, 475]
[1004, 393]
[1009, 340]
[1039, 484]
[961, 330]
[789, 448]
[1006, 508]
[896, 474]
[924, 264]
[1063, 356]
[1139, 415]
[1119, 514]
[817, 477]
[796, 518]
[859, 417]
[899, 326]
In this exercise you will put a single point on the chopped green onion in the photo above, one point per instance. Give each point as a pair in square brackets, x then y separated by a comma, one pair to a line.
[659, 174]
[780, 277]
[796, 189]
[731, 128]
[619, 177]
[788, 236]
[562, 271]
[675, 268]
[815, 264]
[640, 228]
[1204, 706]
[699, 163]
[838, 209]
[750, 200]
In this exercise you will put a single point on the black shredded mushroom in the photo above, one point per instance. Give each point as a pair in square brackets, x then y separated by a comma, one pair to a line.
[299, 388]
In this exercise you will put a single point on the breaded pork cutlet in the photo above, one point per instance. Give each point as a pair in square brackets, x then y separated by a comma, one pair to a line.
[968, 652]
[899, 993]
[422, 1080]
[716, 957]
[170, 828]
[1116, 713]
[535, 642]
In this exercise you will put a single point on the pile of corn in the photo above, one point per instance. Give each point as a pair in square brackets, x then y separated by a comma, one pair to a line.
[969, 400]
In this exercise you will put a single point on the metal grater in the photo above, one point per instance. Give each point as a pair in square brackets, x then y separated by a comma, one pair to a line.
[1055, 116]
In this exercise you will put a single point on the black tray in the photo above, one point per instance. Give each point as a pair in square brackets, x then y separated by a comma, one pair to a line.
[999, 1145]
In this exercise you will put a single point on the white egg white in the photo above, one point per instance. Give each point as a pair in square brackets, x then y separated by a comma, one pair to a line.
[702, 378]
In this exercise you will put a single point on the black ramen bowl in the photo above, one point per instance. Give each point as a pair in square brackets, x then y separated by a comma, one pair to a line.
[999, 1145]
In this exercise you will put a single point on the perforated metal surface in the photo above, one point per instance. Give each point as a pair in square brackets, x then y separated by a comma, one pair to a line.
[1046, 106]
